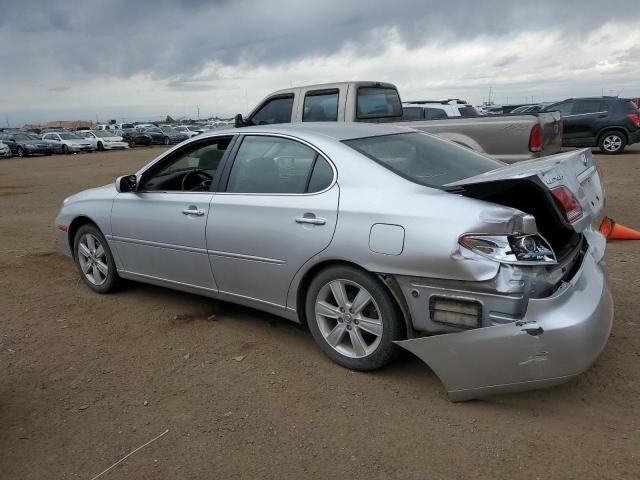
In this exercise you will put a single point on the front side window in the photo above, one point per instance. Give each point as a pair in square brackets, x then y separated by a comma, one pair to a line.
[435, 113]
[276, 110]
[564, 108]
[413, 113]
[378, 102]
[321, 106]
[192, 169]
[422, 158]
[271, 165]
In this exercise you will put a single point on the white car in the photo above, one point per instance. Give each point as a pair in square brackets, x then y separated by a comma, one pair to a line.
[5, 151]
[438, 110]
[190, 130]
[104, 140]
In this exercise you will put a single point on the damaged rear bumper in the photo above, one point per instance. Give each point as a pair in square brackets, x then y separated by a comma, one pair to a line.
[558, 338]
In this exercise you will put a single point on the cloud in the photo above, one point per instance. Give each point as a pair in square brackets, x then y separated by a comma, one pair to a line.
[229, 53]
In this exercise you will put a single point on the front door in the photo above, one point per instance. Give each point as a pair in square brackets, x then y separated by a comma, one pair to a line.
[279, 209]
[159, 230]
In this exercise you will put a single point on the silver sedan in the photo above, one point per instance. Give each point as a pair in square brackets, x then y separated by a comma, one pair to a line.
[377, 238]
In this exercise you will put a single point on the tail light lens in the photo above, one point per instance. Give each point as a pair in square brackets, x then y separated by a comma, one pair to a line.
[635, 118]
[530, 249]
[535, 138]
[569, 203]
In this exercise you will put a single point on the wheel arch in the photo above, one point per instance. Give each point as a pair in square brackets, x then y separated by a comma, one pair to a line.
[74, 226]
[387, 280]
[614, 128]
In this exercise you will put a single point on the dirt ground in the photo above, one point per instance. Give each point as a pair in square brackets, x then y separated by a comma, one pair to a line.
[87, 378]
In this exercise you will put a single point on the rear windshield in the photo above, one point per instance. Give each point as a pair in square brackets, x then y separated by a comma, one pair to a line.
[378, 102]
[423, 158]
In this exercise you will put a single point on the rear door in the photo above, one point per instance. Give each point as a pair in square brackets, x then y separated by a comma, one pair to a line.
[575, 171]
[586, 120]
[278, 209]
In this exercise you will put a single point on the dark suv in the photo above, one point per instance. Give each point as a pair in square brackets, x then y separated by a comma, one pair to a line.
[609, 123]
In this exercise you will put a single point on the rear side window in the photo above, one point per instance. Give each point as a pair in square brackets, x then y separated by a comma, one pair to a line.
[378, 102]
[276, 110]
[271, 165]
[321, 106]
[591, 106]
[321, 176]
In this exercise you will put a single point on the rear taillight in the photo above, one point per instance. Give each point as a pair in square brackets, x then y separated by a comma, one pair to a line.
[535, 138]
[569, 203]
[635, 118]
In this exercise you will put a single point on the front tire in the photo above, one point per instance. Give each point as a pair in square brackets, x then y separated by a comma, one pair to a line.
[65, 149]
[612, 143]
[167, 141]
[95, 260]
[22, 152]
[353, 318]
[100, 147]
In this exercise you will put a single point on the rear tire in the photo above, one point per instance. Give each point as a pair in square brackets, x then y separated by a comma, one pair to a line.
[356, 331]
[95, 260]
[612, 143]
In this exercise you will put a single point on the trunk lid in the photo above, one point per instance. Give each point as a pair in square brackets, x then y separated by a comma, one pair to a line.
[575, 170]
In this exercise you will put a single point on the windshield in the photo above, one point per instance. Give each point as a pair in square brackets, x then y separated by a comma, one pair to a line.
[104, 133]
[23, 137]
[167, 130]
[423, 158]
[468, 111]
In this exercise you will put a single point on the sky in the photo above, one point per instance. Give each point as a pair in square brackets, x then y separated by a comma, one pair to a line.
[143, 60]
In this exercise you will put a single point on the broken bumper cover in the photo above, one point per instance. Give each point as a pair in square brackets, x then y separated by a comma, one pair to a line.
[559, 337]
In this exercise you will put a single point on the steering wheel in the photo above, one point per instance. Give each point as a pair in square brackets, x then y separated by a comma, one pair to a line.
[196, 181]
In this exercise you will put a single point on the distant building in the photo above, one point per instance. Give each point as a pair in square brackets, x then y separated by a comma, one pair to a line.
[71, 124]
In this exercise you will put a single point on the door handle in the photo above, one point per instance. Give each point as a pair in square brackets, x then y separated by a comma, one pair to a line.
[313, 220]
[193, 210]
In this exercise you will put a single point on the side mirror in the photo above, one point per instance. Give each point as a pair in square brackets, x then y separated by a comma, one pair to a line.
[238, 121]
[127, 183]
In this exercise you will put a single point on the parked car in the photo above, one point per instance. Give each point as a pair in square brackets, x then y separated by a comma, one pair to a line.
[5, 151]
[509, 138]
[164, 135]
[437, 110]
[377, 237]
[189, 130]
[609, 123]
[134, 137]
[25, 144]
[104, 139]
[67, 142]
[532, 108]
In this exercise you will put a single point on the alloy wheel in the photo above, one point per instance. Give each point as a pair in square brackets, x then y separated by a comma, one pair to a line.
[612, 143]
[348, 318]
[93, 259]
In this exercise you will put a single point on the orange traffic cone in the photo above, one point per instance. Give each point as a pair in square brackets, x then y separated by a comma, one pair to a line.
[613, 231]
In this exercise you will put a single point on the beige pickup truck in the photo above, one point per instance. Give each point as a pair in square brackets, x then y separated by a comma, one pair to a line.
[509, 138]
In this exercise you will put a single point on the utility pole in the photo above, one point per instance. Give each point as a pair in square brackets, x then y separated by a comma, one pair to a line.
[198, 108]
[6, 117]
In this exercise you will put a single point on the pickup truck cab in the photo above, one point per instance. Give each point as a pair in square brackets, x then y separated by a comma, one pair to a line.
[509, 138]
